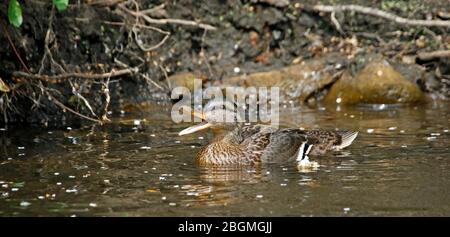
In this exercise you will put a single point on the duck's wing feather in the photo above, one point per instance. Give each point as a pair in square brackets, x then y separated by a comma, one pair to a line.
[324, 141]
[279, 144]
[347, 138]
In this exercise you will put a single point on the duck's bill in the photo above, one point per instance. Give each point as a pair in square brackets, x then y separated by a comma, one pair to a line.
[195, 128]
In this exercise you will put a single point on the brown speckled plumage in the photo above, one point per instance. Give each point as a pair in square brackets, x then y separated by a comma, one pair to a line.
[254, 144]
[239, 144]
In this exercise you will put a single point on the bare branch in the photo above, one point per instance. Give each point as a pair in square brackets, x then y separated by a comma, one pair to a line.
[147, 49]
[151, 81]
[336, 23]
[105, 3]
[62, 106]
[426, 56]
[382, 14]
[167, 20]
[56, 78]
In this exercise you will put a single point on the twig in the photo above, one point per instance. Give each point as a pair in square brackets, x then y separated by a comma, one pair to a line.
[105, 88]
[382, 14]
[151, 10]
[147, 49]
[150, 80]
[136, 35]
[56, 78]
[167, 20]
[57, 102]
[13, 47]
[203, 53]
[166, 76]
[371, 36]
[105, 3]
[336, 23]
[81, 97]
[426, 56]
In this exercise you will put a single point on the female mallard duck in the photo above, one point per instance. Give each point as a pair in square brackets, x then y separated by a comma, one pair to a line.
[236, 143]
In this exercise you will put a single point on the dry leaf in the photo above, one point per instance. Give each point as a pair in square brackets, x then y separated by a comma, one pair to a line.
[3, 86]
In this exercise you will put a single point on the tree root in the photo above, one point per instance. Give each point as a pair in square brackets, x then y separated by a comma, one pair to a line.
[381, 14]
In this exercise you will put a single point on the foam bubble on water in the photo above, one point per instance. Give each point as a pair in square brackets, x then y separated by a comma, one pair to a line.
[24, 204]
[370, 130]
[93, 204]
[192, 193]
[392, 128]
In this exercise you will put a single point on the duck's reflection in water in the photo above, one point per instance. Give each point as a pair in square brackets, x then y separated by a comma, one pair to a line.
[229, 174]
[222, 186]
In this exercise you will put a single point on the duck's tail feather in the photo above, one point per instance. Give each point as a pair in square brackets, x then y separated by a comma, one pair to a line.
[303, 151]
[347, 139]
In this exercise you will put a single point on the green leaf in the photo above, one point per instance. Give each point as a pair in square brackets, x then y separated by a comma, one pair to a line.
[61, 4]
[14, 13]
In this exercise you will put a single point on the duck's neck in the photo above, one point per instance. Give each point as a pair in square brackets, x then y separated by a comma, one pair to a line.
[230, 135]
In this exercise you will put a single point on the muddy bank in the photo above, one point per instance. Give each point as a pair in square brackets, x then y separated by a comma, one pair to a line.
[101, 39]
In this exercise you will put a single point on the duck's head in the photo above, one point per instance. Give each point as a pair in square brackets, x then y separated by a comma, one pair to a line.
[218, 115]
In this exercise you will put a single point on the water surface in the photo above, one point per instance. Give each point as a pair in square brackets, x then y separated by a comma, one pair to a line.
[138, 166]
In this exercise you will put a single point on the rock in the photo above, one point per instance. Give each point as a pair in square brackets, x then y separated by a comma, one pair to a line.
[183, 79]
[296, 82]
[377, 83]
